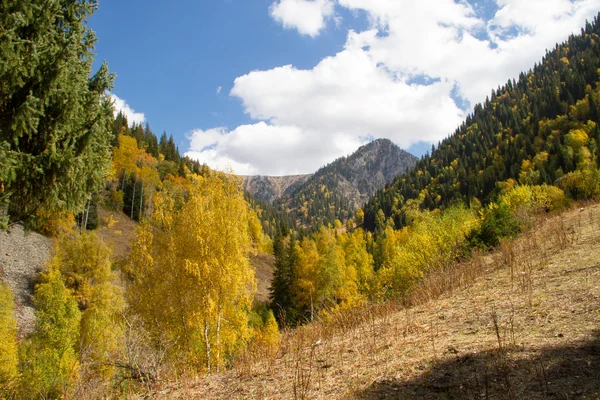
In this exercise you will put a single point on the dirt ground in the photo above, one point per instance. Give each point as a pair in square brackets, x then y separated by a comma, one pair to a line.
[22, 255]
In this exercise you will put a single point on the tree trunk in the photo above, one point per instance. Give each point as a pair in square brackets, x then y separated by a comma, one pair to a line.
[207, 342]
[141, 202]
[87, 214]
[218, 339]
[133, 200]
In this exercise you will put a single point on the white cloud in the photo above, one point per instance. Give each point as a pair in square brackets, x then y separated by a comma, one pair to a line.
[351, 96]
[219, 88]
[447, 39]
[397, 79]
[266, 149]
[121, 106]
[307, 16]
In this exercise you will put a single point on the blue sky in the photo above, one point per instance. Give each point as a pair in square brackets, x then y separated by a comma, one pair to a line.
[171, 59]
[286, 86]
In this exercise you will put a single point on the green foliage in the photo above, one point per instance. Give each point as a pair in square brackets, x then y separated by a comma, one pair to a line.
[281, 295]
[54, 113]
[583, 183]
[8, 163]
[525, 201]
[8, 342]
[49, 362]
[88, 218]
[498, 222]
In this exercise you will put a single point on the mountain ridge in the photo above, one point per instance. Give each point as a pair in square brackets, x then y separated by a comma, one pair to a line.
[336, 190]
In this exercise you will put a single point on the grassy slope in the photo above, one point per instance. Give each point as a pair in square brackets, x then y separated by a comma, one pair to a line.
[263, 265]
[521, 322]
[119, 235]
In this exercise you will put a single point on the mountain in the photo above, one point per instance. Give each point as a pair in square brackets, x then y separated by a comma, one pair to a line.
[337, 190]
[358, 176]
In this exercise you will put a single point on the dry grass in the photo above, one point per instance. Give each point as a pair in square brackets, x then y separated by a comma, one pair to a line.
[263, 266]
[521, 322]
[117, 232]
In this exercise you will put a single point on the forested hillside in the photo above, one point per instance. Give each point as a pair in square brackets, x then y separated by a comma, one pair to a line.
[530, 130]
[102, 325]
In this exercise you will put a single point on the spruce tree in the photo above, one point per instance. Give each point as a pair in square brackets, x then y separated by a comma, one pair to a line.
[55, 117]
[281, 296]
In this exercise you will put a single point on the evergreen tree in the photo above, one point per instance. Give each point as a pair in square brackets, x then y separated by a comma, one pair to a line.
[55, 118]
[281, 295]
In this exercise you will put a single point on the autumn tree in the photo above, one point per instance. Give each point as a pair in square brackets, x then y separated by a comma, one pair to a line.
[190, 277]
[85, 266]
[359, 259]
[49, 362]
[305, 285]
[433, 241]
[55, 116]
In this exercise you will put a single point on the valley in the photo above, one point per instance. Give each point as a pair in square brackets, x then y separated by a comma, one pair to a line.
[132, 269]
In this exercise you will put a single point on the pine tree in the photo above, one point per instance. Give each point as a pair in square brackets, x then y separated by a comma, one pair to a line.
[281, 291]
[55, 118]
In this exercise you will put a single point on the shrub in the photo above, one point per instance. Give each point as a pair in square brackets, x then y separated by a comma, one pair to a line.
[49, 358]
[8, 341]
[53, 223]
[498, 222]
[581, 184]
[525, 201]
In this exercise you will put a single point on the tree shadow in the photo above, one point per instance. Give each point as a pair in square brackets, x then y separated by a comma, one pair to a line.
[553, 372]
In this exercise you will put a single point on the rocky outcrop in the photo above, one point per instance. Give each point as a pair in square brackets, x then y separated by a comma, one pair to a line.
[271, 188]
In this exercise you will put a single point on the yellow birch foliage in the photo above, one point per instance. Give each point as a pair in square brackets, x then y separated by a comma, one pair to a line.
[359, 259]
[432, 241]
[270, 332]
[306, 270]
[49, 358]
[84, 262]
[326, 276]
[191, 280]
[126, 156]
[8, 341]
